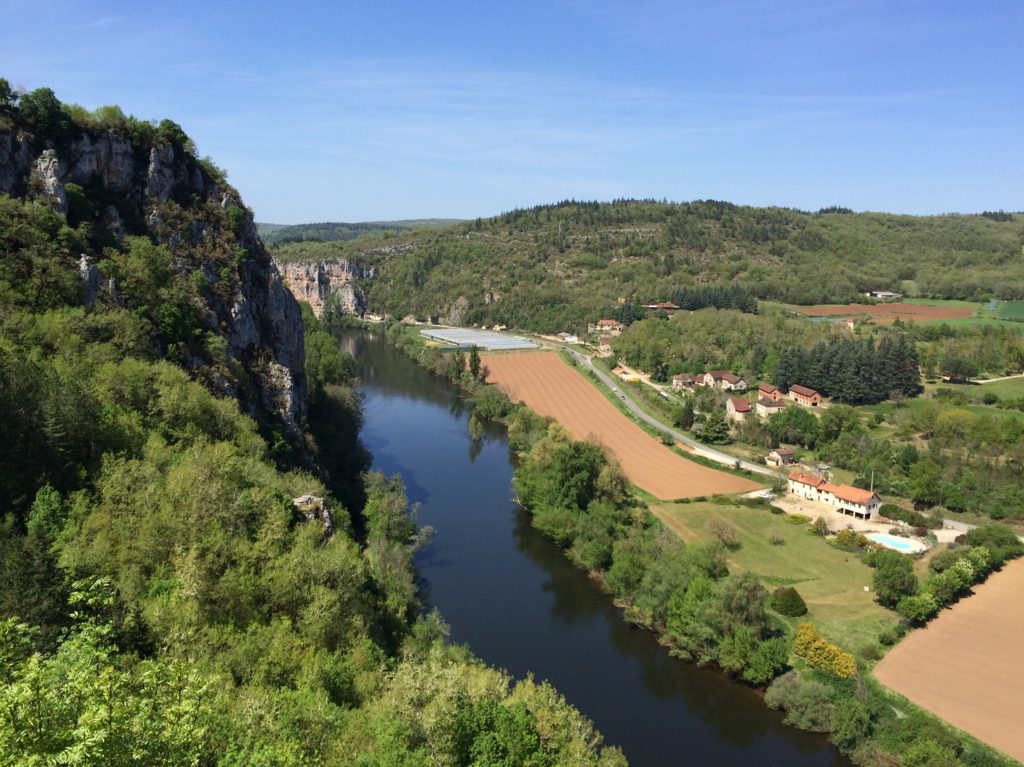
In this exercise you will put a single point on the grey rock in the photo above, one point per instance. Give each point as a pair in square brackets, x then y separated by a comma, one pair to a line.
[47, 172]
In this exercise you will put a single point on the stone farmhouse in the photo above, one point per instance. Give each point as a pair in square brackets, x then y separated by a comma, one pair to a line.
[605, 326]
[737, 409]
[766, 407]
[852, 501]
[724, 380]
[780, 456]
[767, 391]
[686, 381]
[803, 395]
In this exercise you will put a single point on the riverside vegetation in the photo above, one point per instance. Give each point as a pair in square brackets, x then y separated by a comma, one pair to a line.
[162, 598]
[702, 611]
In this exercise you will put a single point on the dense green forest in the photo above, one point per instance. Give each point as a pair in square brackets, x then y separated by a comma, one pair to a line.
[277, 234]
[180, 584]
[556, 267]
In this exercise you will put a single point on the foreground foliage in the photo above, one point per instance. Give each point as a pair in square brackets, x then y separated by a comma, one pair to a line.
[163, 598]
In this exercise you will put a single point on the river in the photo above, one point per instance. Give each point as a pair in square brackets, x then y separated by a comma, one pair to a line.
[515, 599]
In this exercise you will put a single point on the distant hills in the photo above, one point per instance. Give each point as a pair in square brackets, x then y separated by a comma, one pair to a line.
[559, 266]
[274, 234]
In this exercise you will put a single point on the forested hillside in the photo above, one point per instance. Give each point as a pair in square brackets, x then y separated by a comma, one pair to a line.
[560, 266]
[179, 585]
[275, 234]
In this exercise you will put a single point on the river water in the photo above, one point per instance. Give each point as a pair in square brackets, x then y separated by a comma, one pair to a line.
[515, 599]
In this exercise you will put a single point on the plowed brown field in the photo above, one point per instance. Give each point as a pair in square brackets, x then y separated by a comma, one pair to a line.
[552, 388]
[965, 665]
[887, 312]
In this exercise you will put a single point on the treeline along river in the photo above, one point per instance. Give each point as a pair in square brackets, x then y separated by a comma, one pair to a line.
[514, 598]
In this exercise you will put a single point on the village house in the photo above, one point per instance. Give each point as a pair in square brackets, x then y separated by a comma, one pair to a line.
[604, 345]
[724, 380]
[605, 326]
[780, 456]
[846, 499]
[737, 409]
[802, 395]
[684, 382]
[767, 391]
[766, 408]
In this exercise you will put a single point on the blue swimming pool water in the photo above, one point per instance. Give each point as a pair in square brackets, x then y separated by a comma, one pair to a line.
[892, 542]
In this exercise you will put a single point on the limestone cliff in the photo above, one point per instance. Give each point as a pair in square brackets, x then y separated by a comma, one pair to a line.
[334, 282]
[156, 188]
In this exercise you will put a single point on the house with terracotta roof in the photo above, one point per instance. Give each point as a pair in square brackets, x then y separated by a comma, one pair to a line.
[768, 407]
[780, 456]
[737, 409]
[846, 499]
[724, 380]
[605, 326]
[684, 382]
[767, 391]
[803, 395]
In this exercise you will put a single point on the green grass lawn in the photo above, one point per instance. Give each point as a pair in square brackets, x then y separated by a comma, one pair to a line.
[1010, 310]
[918, 403]
[943, 302]
[830, 581]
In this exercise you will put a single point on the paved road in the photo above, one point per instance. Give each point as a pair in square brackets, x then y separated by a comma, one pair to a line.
[697, 447]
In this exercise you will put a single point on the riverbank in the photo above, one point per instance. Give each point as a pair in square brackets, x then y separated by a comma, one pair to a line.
[878, 728]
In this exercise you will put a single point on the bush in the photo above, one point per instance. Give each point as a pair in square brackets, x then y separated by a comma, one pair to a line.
[917, 609]
[787, 601]
[894, 577]
[820, 654]
[808, 703]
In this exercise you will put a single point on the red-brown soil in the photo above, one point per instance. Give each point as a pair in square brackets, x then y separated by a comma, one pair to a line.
[887, 312]
[965, 665]
[552, 388]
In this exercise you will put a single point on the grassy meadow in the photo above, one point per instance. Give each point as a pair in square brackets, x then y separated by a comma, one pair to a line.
[831, 581]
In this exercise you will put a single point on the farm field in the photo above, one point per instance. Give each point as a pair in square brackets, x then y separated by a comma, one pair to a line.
[1011, 310]
[546, 384]
[886, 313]
[831, 581]
[974, 649]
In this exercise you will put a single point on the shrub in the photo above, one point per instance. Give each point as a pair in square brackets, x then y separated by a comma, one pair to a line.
[820, 527]
[786, 600]
[918, 608]
[894, 577]
[851, 723]
[807, 702]
[820, 654]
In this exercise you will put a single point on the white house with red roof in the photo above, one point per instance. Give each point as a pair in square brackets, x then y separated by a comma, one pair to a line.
[724, 380]
[846, 499]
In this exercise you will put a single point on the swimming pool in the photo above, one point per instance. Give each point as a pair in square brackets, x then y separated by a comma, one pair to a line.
[905, 545]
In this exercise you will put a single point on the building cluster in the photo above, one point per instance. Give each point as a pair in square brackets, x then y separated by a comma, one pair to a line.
[769, 400]
[849, 500]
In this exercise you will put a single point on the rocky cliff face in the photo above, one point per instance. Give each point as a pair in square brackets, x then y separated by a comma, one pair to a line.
[324, 282]
[163, 193]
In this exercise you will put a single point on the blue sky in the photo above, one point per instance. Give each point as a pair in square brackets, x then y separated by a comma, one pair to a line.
[366, 110]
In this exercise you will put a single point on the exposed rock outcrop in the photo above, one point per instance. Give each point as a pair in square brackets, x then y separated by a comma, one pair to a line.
[337, 281]
[314, 509]
[160, 191]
